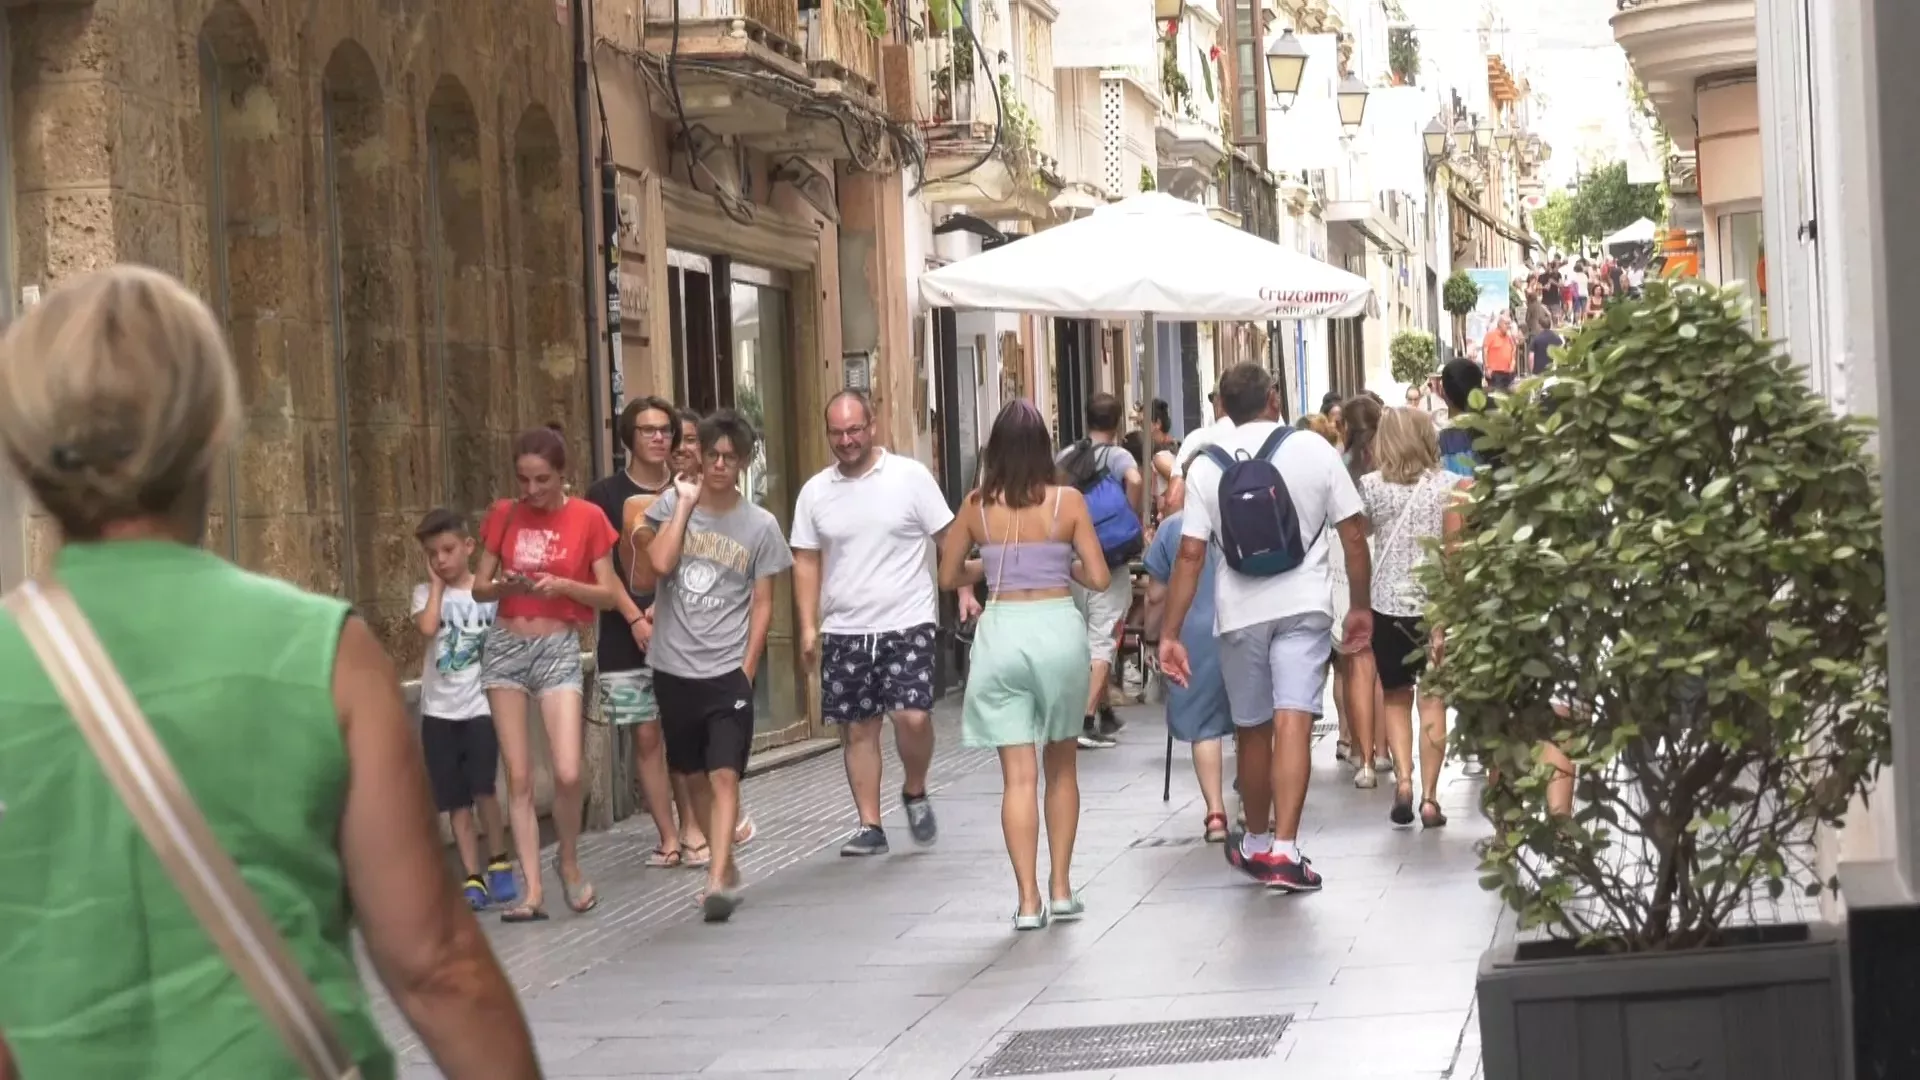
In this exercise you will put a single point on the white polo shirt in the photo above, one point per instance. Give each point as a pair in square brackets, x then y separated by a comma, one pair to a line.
[874, 533]
[1323, 496]
[1199, 439]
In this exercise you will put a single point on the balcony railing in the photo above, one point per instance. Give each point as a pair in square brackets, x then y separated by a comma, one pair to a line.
[953, 88]
[780, 18]
[838, 40]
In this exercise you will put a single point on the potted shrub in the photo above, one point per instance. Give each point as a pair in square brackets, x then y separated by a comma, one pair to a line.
[1459, 296]
[1403, 55]
[1674, 575]
[1416, 357]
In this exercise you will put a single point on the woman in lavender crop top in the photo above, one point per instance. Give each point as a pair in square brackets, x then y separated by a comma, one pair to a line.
[1027, 682]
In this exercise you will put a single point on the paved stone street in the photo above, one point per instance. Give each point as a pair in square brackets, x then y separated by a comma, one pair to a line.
[907, 966]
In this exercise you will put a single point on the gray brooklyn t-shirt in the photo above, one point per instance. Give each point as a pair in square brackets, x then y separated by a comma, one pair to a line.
[701, 610]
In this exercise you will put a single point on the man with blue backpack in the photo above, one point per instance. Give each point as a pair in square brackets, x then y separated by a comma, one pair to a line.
[1272, 503]
[1109, 478]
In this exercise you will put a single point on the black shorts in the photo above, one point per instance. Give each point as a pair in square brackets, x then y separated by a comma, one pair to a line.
[866, 675]
[463, 756]
[708, 723]
[1399, 650]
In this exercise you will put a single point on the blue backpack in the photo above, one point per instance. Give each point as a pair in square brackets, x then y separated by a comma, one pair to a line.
[1116, 523]
[1258, 530]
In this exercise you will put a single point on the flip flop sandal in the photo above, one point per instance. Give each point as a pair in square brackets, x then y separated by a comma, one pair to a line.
[1342, 750]
[744, 832]
[1434, 820]
[718, 907]
[1216, 828]
[525, 913]
[587, 900]
[696, 856]
[662, 859]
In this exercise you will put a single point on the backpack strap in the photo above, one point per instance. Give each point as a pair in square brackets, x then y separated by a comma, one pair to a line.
[1280, 435]
[1213, 453]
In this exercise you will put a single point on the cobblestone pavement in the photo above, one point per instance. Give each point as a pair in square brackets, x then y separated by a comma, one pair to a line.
[907, 967]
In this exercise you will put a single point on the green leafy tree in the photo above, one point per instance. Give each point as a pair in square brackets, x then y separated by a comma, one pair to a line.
[1606, 203]
[1459, 295]
[1416, 355]
[1673, 570]
[1553, 221]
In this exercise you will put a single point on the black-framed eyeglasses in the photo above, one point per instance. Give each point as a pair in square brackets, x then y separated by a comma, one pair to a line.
[846, 432]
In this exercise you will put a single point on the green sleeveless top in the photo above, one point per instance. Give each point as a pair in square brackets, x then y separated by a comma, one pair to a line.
[104, 971]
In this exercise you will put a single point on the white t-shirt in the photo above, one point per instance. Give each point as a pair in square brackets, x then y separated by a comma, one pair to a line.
[1199, 438]
[874, 533]
[1323, 496]
[450, 672]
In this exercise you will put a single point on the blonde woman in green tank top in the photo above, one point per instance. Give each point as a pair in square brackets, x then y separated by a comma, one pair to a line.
[279, 708]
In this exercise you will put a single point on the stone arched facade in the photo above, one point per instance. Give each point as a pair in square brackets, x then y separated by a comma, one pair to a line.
[379, 201]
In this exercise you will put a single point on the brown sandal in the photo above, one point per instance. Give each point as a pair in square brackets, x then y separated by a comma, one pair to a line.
[1433, 820]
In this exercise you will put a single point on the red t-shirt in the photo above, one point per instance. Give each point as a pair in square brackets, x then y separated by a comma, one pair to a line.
[564, 542]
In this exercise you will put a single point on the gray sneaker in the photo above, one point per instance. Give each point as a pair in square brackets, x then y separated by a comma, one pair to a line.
[920, 820]
[867, 840]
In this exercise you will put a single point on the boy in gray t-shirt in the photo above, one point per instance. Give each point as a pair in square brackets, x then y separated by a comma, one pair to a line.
[716, 554]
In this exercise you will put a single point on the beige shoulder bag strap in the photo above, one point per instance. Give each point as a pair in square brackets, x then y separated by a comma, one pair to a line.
[148, 785]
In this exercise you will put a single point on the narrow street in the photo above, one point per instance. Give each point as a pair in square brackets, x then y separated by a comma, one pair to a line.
[907, 967]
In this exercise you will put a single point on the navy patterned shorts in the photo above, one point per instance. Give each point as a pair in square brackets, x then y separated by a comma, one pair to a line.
[866, 675]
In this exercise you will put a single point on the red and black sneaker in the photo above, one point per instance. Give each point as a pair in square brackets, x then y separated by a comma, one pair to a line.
[1290, 875]
[1260, 868]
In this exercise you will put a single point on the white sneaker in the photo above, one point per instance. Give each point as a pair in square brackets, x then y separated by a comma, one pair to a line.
[1366, 779]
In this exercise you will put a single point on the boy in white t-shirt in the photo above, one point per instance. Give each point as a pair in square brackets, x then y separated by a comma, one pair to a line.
[456, 727]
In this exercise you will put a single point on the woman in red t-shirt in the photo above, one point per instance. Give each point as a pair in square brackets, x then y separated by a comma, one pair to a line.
[548, 560]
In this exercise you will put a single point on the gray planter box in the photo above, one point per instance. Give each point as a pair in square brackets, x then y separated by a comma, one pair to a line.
[1764, 1008]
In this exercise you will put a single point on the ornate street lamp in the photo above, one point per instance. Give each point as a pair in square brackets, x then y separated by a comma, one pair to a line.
[1286, 68]
[1436, 139]
[1504, 140]
[1482, 134]
[1352, 98]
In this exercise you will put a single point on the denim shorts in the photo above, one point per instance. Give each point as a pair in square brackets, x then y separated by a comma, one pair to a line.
[531, 665]
[1277, 665]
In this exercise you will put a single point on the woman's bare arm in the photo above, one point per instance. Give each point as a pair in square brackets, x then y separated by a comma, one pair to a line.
[485, 589]
[423, 939]
[955, 546]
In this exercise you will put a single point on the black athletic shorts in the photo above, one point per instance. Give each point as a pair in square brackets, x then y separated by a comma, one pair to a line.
[463, 757]
[1399, 650]
[708, 723]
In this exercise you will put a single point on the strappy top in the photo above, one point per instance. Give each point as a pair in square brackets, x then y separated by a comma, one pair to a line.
[1019, 565]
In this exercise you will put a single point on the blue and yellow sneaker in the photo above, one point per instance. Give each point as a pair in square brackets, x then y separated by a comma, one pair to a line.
[500, 884]
[475, 891]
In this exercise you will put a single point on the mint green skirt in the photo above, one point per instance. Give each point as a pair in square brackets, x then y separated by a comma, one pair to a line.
[1028, 679]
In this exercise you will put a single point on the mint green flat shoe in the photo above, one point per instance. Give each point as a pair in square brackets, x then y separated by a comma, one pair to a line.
[1036, 921]
[1068, 910]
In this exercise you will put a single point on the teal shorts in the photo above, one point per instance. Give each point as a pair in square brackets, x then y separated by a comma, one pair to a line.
[626, 697]
[1028, 679]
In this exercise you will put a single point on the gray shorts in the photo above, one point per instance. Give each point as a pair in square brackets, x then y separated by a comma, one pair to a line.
[531, 665]
[1278, 665]
[1105, 611]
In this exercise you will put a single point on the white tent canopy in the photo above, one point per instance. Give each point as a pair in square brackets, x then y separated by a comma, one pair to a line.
[1152, 255]
[1640, 232]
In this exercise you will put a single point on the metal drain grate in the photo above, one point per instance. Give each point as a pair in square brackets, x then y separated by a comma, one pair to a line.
[1134, 1046]
[1166, 841]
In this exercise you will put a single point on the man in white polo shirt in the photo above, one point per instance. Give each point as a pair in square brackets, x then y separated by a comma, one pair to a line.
[867, 525]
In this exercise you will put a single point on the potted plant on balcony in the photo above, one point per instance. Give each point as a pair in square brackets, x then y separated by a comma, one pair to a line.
[952, 82]
[1415, 357]
[1674, 576]
[1403, 55]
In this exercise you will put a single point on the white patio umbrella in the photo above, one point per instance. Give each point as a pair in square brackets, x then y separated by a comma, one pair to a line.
[1640, 232]
[1150, 255]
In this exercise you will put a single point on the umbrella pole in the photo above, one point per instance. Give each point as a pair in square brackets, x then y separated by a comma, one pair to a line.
[1150, 385]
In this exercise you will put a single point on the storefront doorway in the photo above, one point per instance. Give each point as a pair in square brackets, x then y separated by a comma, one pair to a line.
[732, 333]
